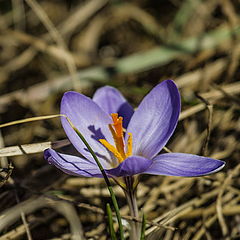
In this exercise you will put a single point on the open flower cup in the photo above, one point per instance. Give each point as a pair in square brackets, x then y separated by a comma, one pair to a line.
[126, 142]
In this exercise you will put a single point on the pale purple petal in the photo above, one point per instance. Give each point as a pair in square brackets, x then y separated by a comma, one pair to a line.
[130, 166]
[91, 121]
[185, 165]
[155, 119]
[112, 101]
[72, 165]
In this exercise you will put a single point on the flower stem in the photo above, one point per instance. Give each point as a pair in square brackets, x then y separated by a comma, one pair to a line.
[130, 193]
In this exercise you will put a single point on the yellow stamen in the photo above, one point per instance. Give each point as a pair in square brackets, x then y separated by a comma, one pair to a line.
[129, 145]
[112, 149]
[117, 130]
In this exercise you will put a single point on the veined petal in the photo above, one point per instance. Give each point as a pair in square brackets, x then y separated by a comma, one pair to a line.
[154, 121]
[130, 166]
[91, 121]
[185, 165]
[112, 101]
[72, 165]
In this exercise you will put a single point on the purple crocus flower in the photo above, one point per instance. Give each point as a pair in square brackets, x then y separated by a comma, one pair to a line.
[127, 142]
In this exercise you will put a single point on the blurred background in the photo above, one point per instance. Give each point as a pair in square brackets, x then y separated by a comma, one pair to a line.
[49, 47]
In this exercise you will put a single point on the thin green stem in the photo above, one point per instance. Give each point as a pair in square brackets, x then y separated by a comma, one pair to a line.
[110, 223]
[113, 197]
[143, 228]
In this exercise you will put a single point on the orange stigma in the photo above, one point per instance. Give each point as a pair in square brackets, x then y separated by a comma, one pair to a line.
[117, 130]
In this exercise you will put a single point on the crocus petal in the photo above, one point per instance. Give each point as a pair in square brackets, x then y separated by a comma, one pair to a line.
[91, 121]
[112, 101]
[72, 165]
[185, 165]
[155, 119]
[130, 166]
